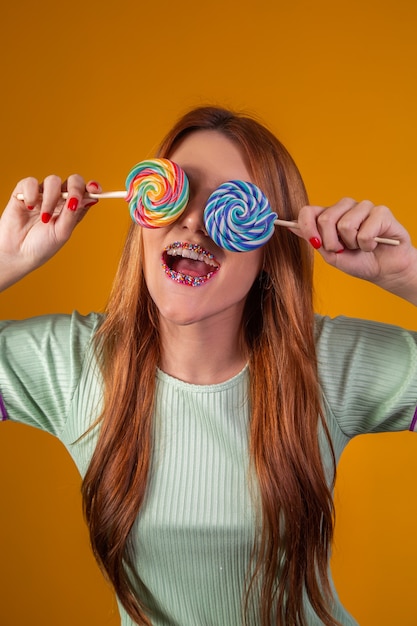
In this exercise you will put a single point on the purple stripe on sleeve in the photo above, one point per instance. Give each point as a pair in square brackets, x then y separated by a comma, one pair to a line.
[3, 411]
[413, 425]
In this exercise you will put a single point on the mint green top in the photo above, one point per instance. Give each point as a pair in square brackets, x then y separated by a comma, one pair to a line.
[196, 528]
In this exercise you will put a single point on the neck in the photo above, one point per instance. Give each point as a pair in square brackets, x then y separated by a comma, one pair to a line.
[201, 353]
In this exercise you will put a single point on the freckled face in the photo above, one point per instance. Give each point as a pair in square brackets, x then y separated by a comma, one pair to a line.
[188, 276]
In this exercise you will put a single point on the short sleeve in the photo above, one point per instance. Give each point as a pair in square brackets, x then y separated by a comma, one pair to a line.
[368, 374]
[41, 360]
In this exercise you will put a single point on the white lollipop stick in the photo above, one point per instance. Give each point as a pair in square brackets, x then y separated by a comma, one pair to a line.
[288, 224]
[93, 196]
[106, 194]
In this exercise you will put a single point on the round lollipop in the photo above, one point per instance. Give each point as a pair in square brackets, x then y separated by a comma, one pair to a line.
[238, 216]
[157, 192]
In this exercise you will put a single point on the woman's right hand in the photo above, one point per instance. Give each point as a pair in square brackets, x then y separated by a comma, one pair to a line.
[32, 230]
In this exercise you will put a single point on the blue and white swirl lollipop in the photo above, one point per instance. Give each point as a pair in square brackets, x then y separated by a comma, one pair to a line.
[238, 216]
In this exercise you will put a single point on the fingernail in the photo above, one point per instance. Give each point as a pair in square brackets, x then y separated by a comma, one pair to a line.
[45, 217]
[340, 251]
[92, 183]
[73, 204]
[30, 208]
[315, 242]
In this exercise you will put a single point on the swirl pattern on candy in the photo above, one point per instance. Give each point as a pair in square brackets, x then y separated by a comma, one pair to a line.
[157, 192]
[238, 216]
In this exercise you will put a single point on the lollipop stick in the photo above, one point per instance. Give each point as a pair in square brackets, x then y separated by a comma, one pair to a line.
[288, 224]
[94, 196]
[107, 194]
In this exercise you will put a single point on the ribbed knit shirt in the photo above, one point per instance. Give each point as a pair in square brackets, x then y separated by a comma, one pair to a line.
[195, 532]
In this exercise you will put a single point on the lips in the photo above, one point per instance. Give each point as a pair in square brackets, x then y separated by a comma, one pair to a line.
[189, 264]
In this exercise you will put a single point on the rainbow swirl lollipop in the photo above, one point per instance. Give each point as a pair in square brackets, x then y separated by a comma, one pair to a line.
[157, 192]
[238, 216]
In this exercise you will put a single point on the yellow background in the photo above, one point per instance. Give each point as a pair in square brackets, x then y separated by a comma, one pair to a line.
[91, 86]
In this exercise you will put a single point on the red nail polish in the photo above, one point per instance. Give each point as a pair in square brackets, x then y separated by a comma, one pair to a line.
[30, 207]
[93, 183]
[73, 204]
[315, 242]
[45, 217]
[340, 251]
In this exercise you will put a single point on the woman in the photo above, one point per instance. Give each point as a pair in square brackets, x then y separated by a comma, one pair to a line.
[207, 420]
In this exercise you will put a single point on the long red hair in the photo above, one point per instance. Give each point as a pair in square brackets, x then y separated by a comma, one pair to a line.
[291, 549]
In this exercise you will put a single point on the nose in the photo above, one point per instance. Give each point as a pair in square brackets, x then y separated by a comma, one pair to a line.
[193, 217]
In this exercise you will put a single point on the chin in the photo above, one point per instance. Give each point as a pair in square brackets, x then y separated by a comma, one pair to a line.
[182, 316]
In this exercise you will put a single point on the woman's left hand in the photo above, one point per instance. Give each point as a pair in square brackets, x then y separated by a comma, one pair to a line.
[344, 234]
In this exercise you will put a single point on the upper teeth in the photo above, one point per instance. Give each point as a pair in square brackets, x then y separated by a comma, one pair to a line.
[194, 254]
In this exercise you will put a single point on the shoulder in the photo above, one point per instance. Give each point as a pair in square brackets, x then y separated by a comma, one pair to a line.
[368, 373]
[42, 359]
[58, 326]
[49, 343]
[351, 350]
[344, 334]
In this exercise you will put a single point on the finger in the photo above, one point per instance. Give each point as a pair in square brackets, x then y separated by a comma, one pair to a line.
[76, 206]
[93, 187]
[351, 224]
[307, 225]
[30, 189]
[379, 223]
[51, 195]
[328, 225]
[75, 187]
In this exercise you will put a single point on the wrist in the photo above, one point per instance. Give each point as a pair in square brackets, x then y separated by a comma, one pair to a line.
[404, 284]
[11, 271]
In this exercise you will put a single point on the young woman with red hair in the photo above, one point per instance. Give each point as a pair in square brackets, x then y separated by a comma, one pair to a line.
[207, 416]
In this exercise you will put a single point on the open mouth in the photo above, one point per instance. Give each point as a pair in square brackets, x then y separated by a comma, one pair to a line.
[188, 264]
